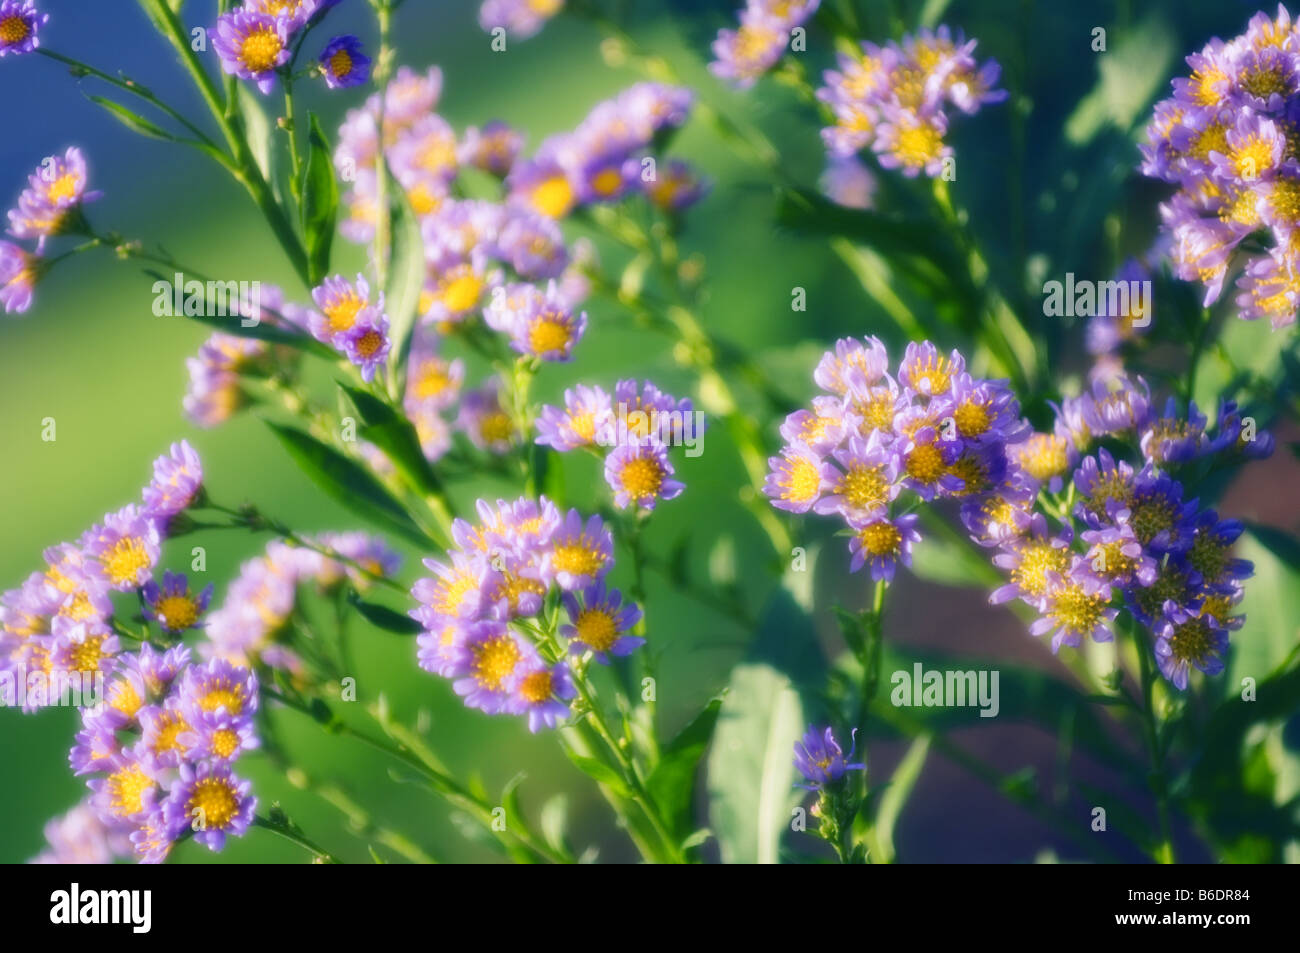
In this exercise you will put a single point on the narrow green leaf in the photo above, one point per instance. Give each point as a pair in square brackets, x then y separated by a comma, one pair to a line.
[385, 618]
[320, 201]
[257, 130]
[600, 772]
[348, 483]
[895, 797]
[132, 120]
[672, 783]
[395, 435]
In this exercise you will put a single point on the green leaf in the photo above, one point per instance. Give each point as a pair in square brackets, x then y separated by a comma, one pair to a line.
[394, 434]
[132, 120]
[1271, 606]
[1132, 71]
[672, 783]
[320, 201]
[257, 130]
[895, 797]
[406, 268]
[385, 618]
[751, 769]
[601, 773]
[554, 822]
[348, 483]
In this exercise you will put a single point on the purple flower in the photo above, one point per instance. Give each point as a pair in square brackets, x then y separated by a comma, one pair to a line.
[485, 664]
[881, 543]
[520, 18]
[577, 554]
[19, 272]
[640, 474]
[1076, 605]
[218, 686]
[123, 549]
[177, 482]
[20, 24]
[599, 622]
[675, 186]
[821, 760]
[587, 415]
[129, 790]
[492, 148]
[211, 802]
[864, 480]
[367, 343]
[218, 736]
[343, 63]
[1185, 640]
[342, 306]
[485, 421]
[252, 46]
[172, 605]
[742, 55]
[540, 325]
[541, 691]
[454, 590]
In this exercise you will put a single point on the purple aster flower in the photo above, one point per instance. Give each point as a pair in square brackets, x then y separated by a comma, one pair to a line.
[454, 589]
[427, 148]
[1186, 640]
[123, 549]
[211, 802]
[129, 790]
[79, 837]
[540, 691]
[927, 459]
[881, 543]
[519, 18]
[586, 415]
[640, 474]
[928, 373]
[912, 142]
[1030, 558]
[533, 245]
[796, 479]
[1173, 437]
[252, 46]
[864, 479]
[412, 95]
[152, 840]
[540, 325]
[218, 736]
[1210, 553]
[343, 63]
[177, 482]
[492, 148]
[821, 429]
[367, 343]
[294, 13]
[847, 181]
[863, 363]
[821, 760]
[172, 605]
[742, 55]
[1075, 605]
[19, 273]
[512, 586]
[218, 686]
[578, 554]
[1163, 522]
[486, 661]
[343, 305]
[1116, 556]
[542, 183]
[485, 421]
[96, 745]
[599, 623]
[161, 729]
[20, 25]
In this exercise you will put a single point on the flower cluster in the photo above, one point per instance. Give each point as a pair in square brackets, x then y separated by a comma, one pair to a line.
[636, 427]
[257, 40]
[1132, 541]
[1227, 139]
[741, 56]
[50, 206]
[491, 609]
[159, 751]
[932, 431]
[897, 98]
[254, 622]
[519, 18]
[158, 731]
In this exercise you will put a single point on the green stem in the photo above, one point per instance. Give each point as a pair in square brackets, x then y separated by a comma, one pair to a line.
[1164, 852]
[285, 828]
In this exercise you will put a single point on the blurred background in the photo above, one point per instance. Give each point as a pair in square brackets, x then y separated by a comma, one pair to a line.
[1053, 191]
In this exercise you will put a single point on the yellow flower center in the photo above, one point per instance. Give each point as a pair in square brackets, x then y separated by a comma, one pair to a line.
[1150, 517]
[13, 30]
[260, 49]
[86, 655]
[1044, 455]
[643, 476]
[432, 379]
[177, 612]
[124, 698]
[1252, 158]
[1208, 86]
[606, 182]
[368, 344]
[880, 539]
[1036, 560]
[918, 145]
[1208, 556]
[597, 629]
[1265, 82]
[171, 726]
[342, 314]
[127, 788]
[214, 802]
[124, 562]
[462, 292]
[1213, 138]
[225, 742]
[1191, 641]
[864, 487]
[548, 333]
[536, 687]
[494, 661]
[226, 697]
[554, 197]
[62, 189]
[584, 426]
[341, 64]
[578, 557]
[449, 593]
[925, 463]
[972, 419]
[496, 427]
[1075, 610]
